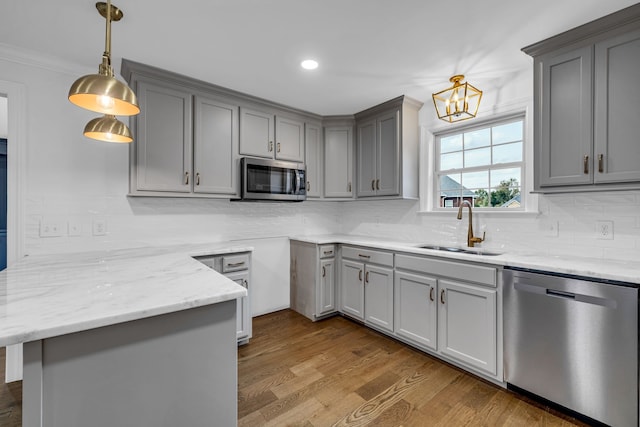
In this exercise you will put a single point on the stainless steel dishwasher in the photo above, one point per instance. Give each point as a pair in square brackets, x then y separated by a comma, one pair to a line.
[573, 342]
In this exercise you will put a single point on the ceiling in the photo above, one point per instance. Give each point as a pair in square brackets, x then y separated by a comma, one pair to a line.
[369, 50]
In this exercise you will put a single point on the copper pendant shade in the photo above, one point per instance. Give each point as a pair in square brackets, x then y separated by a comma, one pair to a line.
[105, 94]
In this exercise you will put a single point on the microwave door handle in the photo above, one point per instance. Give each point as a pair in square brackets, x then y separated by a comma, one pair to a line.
[297, 187]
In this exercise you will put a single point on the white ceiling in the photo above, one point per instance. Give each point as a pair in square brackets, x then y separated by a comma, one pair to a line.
[369, 50]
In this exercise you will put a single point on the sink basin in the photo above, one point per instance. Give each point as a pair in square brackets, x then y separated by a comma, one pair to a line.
[459, 250]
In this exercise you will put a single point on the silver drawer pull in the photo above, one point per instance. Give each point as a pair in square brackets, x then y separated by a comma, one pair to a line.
[328, 252]
[235, 264]
[364, 256]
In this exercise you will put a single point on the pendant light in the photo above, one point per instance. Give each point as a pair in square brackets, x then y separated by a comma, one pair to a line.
[103, 93]
[108, 129]
[459, 102]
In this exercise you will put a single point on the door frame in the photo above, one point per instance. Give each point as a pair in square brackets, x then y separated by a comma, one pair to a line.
[16, 173]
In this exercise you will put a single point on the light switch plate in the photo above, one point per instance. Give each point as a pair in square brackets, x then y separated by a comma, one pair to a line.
[50, 229]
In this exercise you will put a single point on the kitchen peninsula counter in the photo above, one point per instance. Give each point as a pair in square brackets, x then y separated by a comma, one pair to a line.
[596, 268]
[126, 337]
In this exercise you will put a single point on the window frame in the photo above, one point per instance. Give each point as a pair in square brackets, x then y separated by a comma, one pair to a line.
[434, 194]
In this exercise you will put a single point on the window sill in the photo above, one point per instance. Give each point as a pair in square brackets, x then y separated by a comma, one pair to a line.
[497, 214]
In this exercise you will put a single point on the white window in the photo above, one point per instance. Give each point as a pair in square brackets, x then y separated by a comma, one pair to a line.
[483, 164]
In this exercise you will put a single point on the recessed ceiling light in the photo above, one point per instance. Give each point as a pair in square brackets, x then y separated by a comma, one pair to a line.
[309, 64]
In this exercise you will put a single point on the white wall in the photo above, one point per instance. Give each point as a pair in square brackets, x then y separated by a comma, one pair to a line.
[73, 179]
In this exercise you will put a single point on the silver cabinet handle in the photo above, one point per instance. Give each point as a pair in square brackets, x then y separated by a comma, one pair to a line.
[601, 163]
[373, 184]
[360, 275]
[324, 272]
[278, 147]
[186, 178]
[270, 146]
[586, 165]
[431, 294]
[308, 186]
[349, 187]
[235, 264]
[198, 178]
[442, 296]
[366, 277]
[377, 184]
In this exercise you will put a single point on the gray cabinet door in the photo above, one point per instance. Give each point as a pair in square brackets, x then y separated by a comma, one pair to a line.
[313, 160]
[388, 159]
[243, 307]
[325, 297]
[163, 145]
[467, 324]
[338, 162]
[215, 147]
[416, 308]
[565, 144]
[366, 148]
[256, 133]
[289, 139]
[378, 297]
[617, 107]
[352, 287]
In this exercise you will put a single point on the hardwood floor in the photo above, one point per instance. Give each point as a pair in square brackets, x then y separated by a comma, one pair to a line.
[338, 373]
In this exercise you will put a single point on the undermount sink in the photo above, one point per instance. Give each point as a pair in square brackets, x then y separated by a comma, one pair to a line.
[458, 250]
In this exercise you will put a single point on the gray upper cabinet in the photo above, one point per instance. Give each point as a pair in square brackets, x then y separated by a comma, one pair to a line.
[338, 161]
[215, 147]
[617, 109]
[164, 138]
[263, 134]
[586, 106]
[387, 149]
[313, 159]
[289, 139]
[565, 152]
[256, 133]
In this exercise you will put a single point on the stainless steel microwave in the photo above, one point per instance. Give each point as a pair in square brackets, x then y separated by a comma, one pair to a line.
[275, 180]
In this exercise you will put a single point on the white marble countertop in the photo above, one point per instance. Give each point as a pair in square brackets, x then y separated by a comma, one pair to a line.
[49, 295]
[597, 268]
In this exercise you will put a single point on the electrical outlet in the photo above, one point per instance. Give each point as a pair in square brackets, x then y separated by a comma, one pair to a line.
[604, 230]
[551, 228]
[99, 227]
[50, 229]
[75, 228]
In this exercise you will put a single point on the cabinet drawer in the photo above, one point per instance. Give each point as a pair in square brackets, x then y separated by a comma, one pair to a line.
[455, 270]
[235, 262]
[327, 251]
[368, 255]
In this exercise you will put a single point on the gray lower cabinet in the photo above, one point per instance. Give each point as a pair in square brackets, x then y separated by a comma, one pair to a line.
[237, 267]
[313, 279]
[338, 162]
[585, 108]
[450, 309]
[367, 286]
[416, 314]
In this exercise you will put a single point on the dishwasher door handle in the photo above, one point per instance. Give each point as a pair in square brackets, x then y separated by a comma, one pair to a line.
[560, 294]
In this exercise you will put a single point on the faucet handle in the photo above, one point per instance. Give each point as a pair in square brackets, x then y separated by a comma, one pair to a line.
[474, 239]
